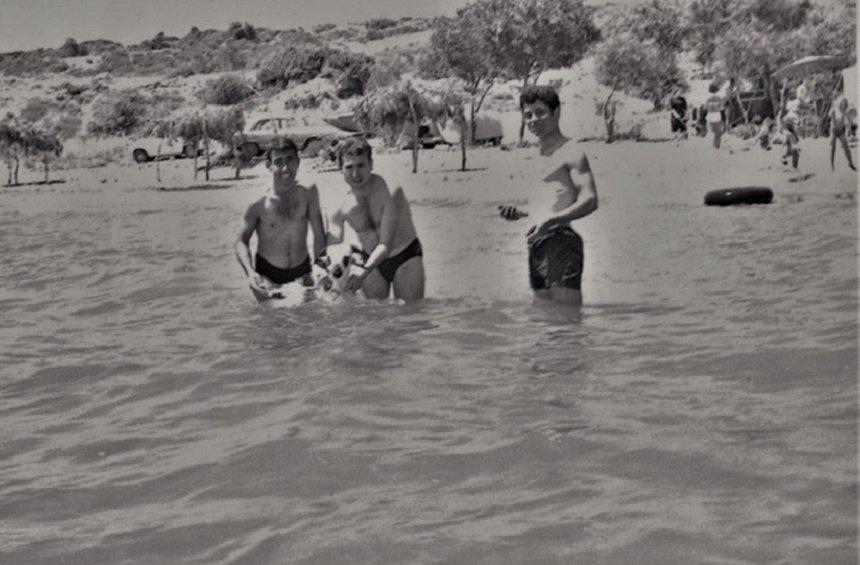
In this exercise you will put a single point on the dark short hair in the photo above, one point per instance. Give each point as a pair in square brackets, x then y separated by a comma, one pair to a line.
[355, 146]
[281, 143]
[545, 94]
[712, 88]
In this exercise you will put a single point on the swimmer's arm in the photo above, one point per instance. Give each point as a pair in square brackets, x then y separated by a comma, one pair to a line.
[585, 189]
[249, 226]
[387, 226]
[338, 219]
[315, 217]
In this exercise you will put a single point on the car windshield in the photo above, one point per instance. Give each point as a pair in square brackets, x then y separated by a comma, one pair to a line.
[262, 124]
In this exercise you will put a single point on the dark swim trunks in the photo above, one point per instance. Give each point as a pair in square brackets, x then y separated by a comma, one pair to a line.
[388, 267]
[278, 275]
[556, 259]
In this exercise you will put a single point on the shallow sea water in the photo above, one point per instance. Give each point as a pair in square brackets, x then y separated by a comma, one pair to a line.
[699, 408]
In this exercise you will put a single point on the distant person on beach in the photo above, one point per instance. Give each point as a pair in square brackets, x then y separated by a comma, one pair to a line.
[715, 106]
[840, 124]
[562, 191]
[280, 219]
[382, 221]
[678, 115]
[789, 121]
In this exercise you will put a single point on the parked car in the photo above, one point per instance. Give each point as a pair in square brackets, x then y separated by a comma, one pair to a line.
[146, 149]
[429, 135]
[488, 131]
[255, 140]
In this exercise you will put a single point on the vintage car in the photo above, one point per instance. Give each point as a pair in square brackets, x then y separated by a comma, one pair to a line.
[147, 149]
[310, 139]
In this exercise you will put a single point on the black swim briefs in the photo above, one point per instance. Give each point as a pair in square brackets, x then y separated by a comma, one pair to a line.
[556, 259]
[278, 275]
[388, 267]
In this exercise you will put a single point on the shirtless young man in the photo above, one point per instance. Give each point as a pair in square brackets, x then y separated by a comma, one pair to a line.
[280, 220]
[840, 125]
[564, 191]
[383, 223]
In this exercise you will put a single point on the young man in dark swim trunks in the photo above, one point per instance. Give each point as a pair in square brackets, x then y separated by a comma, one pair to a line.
[280, 219]
[564, 191]
[383, 223]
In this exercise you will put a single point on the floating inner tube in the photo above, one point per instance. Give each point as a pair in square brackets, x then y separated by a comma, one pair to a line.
[740, 195]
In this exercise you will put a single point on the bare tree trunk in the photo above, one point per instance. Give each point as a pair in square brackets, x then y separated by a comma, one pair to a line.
[158, 163]
[206, 146]
[473, 129]
[196, 142]
[414, 137]
[45, 163]
[522, 119]
[461, 120]
[237, 159]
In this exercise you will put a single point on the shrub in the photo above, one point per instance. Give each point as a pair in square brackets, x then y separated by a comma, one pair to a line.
[71, 49]
[350, 71]
[292, 64]
[225, 90]
[379, 23]
[321, 28]
[118, 113]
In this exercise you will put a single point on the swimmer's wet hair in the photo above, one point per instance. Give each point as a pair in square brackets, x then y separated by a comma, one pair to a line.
[353, 147]
[283, 144]
[545, 94]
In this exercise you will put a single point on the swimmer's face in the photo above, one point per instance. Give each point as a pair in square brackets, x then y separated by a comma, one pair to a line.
[284, 164]
[539, 118]
[356, 170]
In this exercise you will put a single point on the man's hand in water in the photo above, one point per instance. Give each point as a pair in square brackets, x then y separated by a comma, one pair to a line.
[260, 283]
[511, 213]
[356, 278]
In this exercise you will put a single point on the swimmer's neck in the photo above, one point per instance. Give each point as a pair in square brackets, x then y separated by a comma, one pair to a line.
[282, 190]
[551, 142]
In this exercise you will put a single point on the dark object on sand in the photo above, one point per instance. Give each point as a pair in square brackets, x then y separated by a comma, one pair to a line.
[740, 195]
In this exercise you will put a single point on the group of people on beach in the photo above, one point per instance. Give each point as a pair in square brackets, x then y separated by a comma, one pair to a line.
[782, 129]
[391, 252]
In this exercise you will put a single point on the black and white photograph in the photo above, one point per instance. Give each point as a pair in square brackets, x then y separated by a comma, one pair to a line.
[478, 282]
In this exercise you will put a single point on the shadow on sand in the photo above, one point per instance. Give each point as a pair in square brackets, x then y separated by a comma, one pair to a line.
[38, 183]
[193, 187]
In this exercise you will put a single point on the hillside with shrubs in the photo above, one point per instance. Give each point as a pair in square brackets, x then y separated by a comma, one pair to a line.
[453, 68]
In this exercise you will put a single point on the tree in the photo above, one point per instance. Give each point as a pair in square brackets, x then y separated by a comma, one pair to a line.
[746, 52]
[11, 147]
[42, 145]
[709, 21]
[456, 47]
[451, 108]
[639, 69]
[528, 36]
[657, 21]
[189, 128]
[390, 109]
[222, 126]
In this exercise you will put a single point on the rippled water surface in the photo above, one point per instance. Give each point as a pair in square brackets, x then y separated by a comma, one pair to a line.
[700, 408]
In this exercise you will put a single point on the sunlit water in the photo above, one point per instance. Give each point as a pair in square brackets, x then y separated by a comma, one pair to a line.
[699, 408]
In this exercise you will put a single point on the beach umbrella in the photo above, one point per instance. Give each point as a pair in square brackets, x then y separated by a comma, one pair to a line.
[810, 65]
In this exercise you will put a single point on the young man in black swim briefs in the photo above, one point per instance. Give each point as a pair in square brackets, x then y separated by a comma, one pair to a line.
[564, 191]
[382, 221]
[280, 219]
